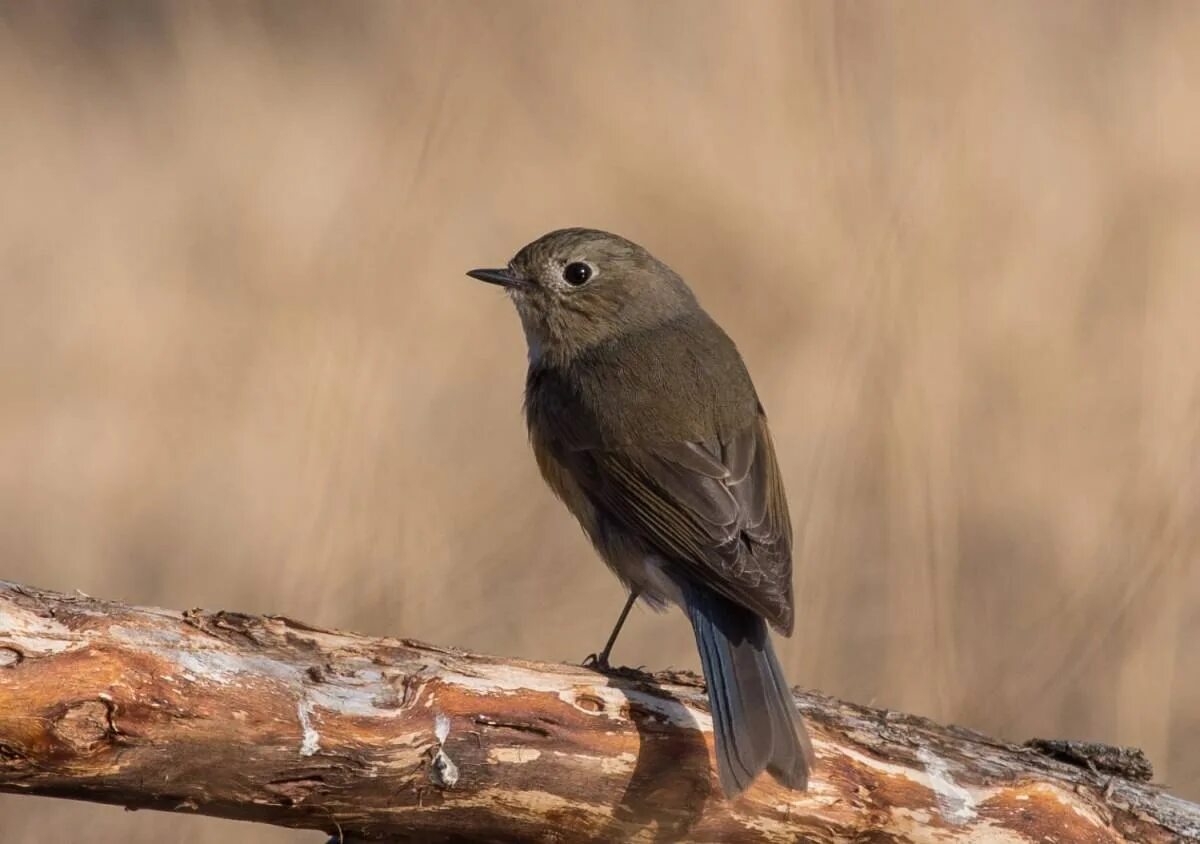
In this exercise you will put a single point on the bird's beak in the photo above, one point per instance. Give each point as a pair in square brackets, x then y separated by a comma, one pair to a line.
[502, 277]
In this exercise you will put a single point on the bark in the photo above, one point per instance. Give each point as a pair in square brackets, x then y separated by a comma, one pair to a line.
[270, 720]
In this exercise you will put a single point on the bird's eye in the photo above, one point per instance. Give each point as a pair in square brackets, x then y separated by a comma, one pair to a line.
[576, 273]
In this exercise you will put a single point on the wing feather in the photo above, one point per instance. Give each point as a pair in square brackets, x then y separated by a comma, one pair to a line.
[717, 507]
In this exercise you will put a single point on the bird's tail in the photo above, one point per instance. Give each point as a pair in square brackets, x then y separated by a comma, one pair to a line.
[755, 722]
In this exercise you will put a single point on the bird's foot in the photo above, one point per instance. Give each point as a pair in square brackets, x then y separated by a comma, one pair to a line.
[597, 662]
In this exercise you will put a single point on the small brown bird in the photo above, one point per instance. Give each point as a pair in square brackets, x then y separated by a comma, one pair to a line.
[645, 423]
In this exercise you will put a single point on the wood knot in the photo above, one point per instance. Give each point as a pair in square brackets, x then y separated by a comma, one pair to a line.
[589, 703]
[10, 656]
[86, 726]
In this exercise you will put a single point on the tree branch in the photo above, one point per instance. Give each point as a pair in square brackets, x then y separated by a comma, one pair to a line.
[270, 720]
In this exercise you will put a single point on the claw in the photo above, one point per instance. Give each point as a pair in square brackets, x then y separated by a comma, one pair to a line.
[597, 662]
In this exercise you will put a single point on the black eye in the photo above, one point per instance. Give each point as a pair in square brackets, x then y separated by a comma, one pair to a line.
[576, 273]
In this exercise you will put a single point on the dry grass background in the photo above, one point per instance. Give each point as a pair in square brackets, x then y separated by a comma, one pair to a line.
[240, 366]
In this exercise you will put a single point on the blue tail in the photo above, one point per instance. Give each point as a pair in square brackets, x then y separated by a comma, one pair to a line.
[755, 723]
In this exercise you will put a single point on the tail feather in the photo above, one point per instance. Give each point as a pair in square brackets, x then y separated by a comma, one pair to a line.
[790, 768]
[755, 723]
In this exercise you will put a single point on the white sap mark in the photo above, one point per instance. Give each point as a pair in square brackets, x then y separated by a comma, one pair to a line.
[311, 742]
[513, 755]
[955, 802]
[442, 771]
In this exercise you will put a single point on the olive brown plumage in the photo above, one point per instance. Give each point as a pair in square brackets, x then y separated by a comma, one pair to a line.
[646, 424]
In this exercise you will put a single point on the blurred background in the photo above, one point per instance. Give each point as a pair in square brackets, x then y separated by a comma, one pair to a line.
[241, 368]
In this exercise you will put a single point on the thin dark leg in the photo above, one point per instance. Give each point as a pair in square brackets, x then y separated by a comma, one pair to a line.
[600, 661]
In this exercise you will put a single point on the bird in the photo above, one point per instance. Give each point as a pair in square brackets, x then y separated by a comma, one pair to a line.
[644, 421]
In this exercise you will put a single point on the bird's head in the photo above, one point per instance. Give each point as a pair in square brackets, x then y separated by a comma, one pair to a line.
[578, 288]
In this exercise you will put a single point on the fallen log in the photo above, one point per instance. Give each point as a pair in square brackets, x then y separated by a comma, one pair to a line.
[262, 718]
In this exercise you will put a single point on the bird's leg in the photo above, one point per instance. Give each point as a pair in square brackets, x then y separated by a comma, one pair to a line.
[600, 661]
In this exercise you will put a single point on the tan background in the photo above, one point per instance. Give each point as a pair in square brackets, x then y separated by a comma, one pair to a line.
[959, 245]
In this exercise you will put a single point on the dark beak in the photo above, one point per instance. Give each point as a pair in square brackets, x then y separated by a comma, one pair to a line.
[503, 277]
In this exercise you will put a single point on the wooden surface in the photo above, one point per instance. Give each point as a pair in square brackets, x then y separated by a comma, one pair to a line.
[270, 720]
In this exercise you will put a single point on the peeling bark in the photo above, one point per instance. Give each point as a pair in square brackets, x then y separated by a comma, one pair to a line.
[270, 720]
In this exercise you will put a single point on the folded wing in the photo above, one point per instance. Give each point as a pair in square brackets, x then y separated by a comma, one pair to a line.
[717, 508]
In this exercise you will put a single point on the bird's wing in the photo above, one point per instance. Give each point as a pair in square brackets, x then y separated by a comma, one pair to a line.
[717, 507]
